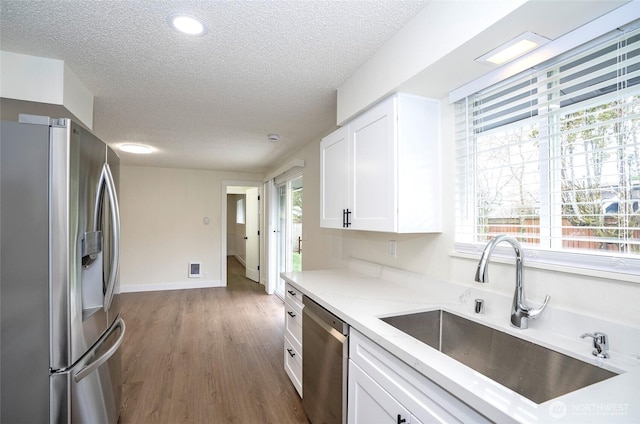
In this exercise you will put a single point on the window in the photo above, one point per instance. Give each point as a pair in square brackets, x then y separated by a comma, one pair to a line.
[553, 158]
[240, 213]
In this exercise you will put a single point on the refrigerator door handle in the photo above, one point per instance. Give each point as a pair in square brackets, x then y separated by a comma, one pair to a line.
[95, 364]
[107, 178]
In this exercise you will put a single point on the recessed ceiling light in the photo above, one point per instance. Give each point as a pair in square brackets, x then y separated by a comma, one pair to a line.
[515, 48]
[273, 137]
[138, 149]
[187, 24]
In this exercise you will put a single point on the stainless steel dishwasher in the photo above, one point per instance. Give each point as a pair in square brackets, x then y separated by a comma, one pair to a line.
[324, 369]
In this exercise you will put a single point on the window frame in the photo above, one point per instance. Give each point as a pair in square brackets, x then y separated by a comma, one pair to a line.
[616, 266]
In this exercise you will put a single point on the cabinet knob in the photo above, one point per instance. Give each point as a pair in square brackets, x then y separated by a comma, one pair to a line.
[293, 354]
[291, 314]
[401, 420]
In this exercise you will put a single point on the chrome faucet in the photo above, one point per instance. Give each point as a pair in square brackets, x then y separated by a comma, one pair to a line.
[520, 311]
[600, 343]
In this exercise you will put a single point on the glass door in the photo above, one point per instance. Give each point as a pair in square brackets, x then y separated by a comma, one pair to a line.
[289, 229]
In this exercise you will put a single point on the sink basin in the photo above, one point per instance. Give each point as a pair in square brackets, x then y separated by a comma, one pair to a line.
[533, 371]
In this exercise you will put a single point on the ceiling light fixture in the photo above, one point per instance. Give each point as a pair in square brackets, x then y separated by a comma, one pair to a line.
[138, 149]
[187, 24]
[273, 137]
[515, 48]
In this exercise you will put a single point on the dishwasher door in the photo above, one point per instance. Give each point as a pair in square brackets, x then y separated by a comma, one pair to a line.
[324, 368]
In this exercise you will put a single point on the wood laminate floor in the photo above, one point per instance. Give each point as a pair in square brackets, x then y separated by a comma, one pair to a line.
[206, 356]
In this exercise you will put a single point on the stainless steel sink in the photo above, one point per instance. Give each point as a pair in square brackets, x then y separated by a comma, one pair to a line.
[533, 371]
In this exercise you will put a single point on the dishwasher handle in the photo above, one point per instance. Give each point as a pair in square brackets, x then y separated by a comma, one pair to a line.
[324, 317]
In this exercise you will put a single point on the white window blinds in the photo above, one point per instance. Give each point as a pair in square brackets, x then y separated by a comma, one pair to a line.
[553, 158]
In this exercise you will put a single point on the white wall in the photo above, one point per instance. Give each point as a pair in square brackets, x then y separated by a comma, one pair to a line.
[46, 81]
[435, 31]
[162, 212]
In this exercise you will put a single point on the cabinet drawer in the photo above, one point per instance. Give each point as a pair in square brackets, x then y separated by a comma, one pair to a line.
[293, 295]
[293, 323]
[293, 364]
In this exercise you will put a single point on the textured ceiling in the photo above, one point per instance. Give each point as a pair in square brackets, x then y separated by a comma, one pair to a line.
[208, 102]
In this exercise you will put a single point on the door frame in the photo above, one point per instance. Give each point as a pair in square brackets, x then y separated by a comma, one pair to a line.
[284, 178]
[225, 184]
[252, 248]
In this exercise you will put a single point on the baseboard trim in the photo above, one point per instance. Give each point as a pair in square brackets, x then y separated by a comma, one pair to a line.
[132, 288]
[242, 261]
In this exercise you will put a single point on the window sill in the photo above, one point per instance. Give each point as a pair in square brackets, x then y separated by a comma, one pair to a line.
[506, 257]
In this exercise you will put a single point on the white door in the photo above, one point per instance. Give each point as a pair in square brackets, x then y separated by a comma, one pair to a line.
[252, 235]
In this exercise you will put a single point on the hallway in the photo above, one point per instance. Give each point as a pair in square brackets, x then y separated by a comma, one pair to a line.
[210, 355]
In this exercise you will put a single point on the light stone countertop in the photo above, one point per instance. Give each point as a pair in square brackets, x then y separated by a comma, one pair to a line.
[365, 292]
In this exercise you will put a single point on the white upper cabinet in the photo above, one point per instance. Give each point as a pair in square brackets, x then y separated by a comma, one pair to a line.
[381, 172]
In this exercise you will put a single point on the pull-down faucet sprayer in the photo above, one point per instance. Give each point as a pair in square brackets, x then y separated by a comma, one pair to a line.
[520, 311]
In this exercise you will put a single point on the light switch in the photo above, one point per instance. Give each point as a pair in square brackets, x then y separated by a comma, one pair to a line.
[206, 220]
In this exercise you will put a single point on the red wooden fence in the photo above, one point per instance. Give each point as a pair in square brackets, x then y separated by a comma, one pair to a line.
[574, 237]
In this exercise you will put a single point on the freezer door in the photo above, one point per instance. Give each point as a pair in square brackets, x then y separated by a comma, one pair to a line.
[90, 392]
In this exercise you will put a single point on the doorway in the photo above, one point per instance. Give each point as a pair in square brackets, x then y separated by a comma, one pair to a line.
[289, 228]
[240, 235]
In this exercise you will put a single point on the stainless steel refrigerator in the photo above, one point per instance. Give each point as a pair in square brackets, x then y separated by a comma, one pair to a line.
[59, 304]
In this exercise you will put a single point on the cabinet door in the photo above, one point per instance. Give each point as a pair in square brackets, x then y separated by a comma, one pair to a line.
[372, 188]
[293, 364]
[426, 401]
[370, 403]
[333, 178]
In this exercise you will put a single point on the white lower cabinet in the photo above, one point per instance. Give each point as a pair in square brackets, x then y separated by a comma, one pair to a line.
[293, 364]
[383, 389]
[293, 336]
[370, 403]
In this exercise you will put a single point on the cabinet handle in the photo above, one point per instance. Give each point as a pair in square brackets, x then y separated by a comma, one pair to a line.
[344, 218]
[293, 354]
[291, 292]
[291, 314]
[348, 220]
[401, 420]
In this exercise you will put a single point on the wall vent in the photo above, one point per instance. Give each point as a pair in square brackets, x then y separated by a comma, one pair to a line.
[194, 270]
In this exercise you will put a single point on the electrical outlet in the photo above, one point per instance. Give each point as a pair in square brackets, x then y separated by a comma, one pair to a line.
[393, 249]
